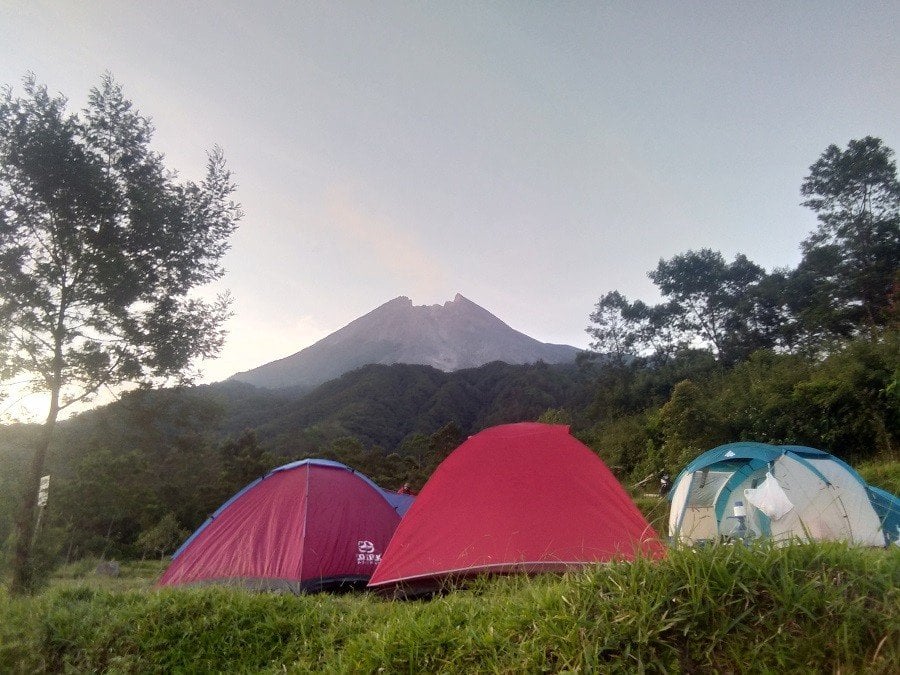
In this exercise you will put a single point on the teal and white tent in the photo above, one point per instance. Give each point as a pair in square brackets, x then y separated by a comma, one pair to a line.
[782, 492]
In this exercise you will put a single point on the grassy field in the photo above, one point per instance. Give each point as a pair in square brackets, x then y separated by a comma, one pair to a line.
[822, 608]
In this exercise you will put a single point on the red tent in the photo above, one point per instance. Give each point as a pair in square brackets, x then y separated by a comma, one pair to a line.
[515, 498]
[303, 526]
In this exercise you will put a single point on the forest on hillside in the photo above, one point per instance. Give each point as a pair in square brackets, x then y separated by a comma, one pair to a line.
[809, 355]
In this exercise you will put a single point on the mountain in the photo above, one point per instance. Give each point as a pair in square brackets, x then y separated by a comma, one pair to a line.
[456, 335]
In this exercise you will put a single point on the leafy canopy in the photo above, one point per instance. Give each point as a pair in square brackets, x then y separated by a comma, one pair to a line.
[101, 246]
[849, 270]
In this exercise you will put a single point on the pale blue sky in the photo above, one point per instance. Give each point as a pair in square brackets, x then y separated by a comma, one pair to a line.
[530, 156]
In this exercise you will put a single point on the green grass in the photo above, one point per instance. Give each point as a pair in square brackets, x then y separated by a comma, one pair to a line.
[133, 574]
[882, 473]
[804, 608]
[655, 510]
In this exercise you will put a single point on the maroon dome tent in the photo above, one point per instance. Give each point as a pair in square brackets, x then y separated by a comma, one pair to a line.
[514, 498]
[304, 526]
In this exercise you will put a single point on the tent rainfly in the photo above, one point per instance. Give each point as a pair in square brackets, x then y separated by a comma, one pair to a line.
[786, 492]
[305, 526]
[887, 506]
[514, 498]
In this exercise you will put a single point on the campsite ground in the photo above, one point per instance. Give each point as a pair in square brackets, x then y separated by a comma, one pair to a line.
[800, 608]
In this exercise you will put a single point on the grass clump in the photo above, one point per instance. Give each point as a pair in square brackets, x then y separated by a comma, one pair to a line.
[884, 474]
[725, 609]
[655, 509]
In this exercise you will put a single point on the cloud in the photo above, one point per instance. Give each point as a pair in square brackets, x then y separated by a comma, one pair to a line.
[381, 242]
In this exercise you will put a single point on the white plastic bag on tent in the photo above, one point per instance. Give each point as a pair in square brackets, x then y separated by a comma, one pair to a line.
[769, 498]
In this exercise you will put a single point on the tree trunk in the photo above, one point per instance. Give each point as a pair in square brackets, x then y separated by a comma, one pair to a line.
[22, 571]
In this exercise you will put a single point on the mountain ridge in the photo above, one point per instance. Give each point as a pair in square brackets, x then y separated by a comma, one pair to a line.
[451, 336]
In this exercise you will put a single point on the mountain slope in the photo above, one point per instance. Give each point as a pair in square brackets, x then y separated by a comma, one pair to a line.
[458, 334]
[382, 405]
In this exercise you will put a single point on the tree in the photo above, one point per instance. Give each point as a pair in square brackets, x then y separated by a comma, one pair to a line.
[762, 318]
[623, 329]
[101, 247]
[163, 537]
[689, 423]
[728, 308]
[614, 327]
[556, 416]
[243, 460]
[103, 501]
[706, 294]
[849, 271]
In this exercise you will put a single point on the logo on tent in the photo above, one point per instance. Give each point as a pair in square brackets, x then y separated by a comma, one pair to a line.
[366, 555]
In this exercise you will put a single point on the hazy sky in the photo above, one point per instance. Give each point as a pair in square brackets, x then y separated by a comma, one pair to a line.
[529, 155]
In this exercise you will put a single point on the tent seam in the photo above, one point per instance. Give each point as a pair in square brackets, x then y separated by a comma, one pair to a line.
[305, 521]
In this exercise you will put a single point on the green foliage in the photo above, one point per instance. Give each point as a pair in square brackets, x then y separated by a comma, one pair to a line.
[623, 443]
[727, 609]
[555, 416]
[850, 263]
[383, 405]
[119, 470]
[618, 327]
[809, 356]
[15, 451]
[757, 397]
[848, 404]
[410, 465]
[729, 309]
[644, 385]
[243, 460]
[884, 474]
[654, 507]
[99, 246]
[163, 537]
[689, 423]
[705, 294]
